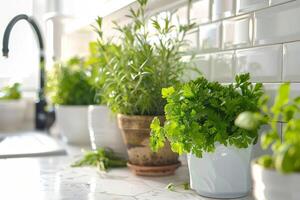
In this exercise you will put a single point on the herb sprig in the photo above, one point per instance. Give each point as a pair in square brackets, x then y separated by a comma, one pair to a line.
[142, 64]
[12, 92]
[286, 153]
[104, 159]
[72, 83]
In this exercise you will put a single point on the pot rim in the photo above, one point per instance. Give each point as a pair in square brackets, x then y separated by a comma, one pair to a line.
[71, 106]
[99, 105]
[254, 164]
[138, 116]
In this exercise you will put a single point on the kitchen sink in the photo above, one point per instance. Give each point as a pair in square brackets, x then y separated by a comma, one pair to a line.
[29, 144]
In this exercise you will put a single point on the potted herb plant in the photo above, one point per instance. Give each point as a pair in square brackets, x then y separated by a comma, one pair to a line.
[102, 125]
[200, 119]
[276, 176]
[137, 68]
[12, 108]
[70, 88]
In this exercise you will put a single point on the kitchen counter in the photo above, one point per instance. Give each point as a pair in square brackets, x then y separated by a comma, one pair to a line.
[52, 178]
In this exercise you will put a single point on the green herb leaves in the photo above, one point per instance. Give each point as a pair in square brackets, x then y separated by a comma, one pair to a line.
[104, 159]
[71, 83]
[172, 187]
[147, 60]
[12, 92]
[286, 154]
[200, 114]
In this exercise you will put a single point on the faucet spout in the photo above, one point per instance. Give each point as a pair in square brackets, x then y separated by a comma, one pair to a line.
[40, 120]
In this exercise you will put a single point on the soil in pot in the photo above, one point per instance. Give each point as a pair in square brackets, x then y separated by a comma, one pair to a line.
[136, 132]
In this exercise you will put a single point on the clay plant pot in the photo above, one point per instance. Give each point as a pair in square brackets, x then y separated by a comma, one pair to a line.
[136, 132]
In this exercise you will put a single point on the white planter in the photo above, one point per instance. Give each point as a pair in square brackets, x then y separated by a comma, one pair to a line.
[104, 132]
[272, 185]
[72, 124]
[12, 115]
[222, 174]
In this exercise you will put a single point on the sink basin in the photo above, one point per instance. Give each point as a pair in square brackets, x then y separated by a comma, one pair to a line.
[29, 144]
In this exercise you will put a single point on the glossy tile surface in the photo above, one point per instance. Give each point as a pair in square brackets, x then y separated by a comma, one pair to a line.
[263, 63]
[222, 68]
[222, 9]
[209, 37]
[243, 6]
[274, 2]
[200, 11]
[52, 178]
[291, 62]
[203, 63]
[237, 32]
[181, 14]
[278, 24]
[192, 39]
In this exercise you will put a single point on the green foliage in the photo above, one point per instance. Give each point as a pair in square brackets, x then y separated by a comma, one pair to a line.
[286, 154]
[104, 159]
[12, 92]
[172, 187]
[73, 83]
[200, 114]
[143, 63]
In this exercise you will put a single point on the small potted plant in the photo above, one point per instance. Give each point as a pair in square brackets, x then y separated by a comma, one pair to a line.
[71, 90]
[137, 68]
[200, 119]
[12, 108]
[276, 176]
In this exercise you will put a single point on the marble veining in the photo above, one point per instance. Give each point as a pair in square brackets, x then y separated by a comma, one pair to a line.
[52, 178]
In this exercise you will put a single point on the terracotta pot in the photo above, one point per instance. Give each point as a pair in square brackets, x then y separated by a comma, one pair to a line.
[136, 132]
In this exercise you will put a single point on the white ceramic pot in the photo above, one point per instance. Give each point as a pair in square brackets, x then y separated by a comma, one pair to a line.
[104, 132]
[12, 115]
[73, 124]
[272, 185]
[222, 174]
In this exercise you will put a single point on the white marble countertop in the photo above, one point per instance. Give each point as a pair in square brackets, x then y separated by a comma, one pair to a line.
[52, 178]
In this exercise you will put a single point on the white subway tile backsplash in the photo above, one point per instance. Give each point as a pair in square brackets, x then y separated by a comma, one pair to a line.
[237, 32]
[200, 11]
[203, 63]
[274, 2]
[200, 67]
[277, 24]
[222, 9]
[263, 63]
[271, 90]
[237, 36]
[222, 66]
[192, 40]
[181, 15]
[291, 62]
[243, 6]
[257, 149]
[209, 36]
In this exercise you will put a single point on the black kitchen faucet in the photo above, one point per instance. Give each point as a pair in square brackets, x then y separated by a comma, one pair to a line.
[43, 120]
